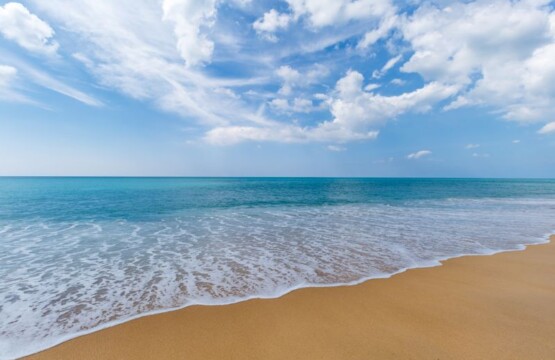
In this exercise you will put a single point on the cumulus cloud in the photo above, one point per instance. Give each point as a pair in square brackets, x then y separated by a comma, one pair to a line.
[356, 108]
[172, 53]
[292, 78]
[189, 17]
[548, 128]
[26, 29]
[270, 23]
[472, 146]
[298, 105]
[418, 154]
[322, 13]
[497, 52]
[356, 114]
[318, 14]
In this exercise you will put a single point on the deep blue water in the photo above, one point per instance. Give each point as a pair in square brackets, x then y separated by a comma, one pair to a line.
[79, 254]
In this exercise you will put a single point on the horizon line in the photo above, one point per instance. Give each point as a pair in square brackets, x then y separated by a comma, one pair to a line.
[271, 177]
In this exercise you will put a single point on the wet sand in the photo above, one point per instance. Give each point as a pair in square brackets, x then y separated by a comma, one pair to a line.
[477, 307]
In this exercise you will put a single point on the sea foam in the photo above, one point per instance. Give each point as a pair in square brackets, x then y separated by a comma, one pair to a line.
[63, 278]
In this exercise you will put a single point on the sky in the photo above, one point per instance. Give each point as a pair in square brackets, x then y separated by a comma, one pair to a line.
[277, 88]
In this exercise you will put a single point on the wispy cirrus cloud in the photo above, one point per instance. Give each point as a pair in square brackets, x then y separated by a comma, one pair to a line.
[32, 76]
[419, 154]
[336, 148]
[137, 53]
[8, 92]
[321, 82]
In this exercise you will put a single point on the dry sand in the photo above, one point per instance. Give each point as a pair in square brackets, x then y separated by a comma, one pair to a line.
[480, 307]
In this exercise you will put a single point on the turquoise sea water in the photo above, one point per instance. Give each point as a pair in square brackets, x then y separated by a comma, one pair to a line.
[80, 254]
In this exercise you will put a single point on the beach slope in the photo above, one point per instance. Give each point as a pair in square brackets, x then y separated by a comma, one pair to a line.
[477, 307]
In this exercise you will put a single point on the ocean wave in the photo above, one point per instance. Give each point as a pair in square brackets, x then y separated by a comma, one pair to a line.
[61, 279]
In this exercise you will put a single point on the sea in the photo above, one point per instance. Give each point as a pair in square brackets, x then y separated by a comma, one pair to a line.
[81, 254]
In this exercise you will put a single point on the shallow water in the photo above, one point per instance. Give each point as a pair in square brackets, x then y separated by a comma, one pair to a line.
[79, 254]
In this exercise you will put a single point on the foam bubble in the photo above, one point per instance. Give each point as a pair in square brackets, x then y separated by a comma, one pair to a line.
[60, 279]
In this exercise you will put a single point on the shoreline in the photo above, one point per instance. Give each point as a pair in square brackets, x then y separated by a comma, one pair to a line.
[83, 346]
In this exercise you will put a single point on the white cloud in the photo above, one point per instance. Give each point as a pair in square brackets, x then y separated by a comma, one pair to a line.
[189, 17]
[498, 52]
[298, 105]
[7, 73]
[371, 87]
[320, 14]
[129, 48]
[349, 86]
[388, 66]
[472, 146]
[387, 24]
[334, 12]
[7, 92]
[27, 30]
[516, 141]
[418, 154]
[29, 74]
[45, 80]
[478, 155]
[548, 128]
[292, 78]
[270, 23]
[355, 113]
[336, 148]
[391, 63]
[495, 53]
[354, 108]
[230, 135]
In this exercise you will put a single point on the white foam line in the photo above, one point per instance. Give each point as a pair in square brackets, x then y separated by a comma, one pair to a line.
[428, 264]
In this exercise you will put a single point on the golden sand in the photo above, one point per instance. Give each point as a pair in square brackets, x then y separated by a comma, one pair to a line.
[477, 307]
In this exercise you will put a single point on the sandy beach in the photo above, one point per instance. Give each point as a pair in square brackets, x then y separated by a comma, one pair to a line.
[477, 307]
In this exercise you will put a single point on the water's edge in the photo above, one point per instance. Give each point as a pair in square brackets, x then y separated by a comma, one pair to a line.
[545, 239]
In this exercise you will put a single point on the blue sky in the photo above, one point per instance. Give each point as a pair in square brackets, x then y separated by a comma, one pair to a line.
[277, 88]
